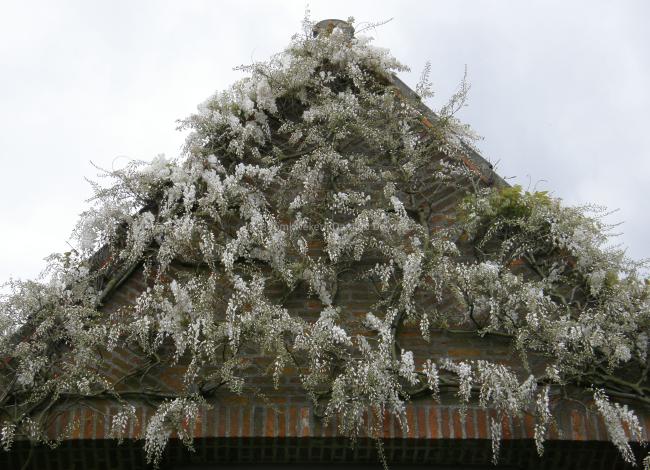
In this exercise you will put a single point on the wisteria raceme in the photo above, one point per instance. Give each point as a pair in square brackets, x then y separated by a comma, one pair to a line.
[177, 415]
[312, 174]
[121, 420]
[543, 414]
[616, 416]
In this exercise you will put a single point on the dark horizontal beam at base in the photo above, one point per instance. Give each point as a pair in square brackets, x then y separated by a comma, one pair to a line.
[474, 454]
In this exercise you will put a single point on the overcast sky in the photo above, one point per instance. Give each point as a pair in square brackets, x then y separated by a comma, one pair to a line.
[560, 93]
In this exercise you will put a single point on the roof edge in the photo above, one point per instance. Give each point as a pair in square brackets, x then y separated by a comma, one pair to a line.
[481, 163]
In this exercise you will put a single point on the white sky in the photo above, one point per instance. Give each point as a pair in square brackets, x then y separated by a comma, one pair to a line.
[560, 92]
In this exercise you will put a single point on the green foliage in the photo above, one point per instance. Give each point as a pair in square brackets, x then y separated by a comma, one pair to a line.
[513, 203]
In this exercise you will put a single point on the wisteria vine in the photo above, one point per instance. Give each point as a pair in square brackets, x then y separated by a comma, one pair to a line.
[312, 173]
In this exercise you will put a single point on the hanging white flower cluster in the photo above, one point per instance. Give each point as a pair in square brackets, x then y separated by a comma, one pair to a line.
[180, 415]
[312, 176]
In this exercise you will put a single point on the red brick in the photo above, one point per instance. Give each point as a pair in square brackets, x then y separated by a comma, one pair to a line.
[211, 421]
[137, 424]
[458, 431]
[222, 421]
[234, 422]
[282, 422]
[422, 423]
[363, 425]
[198, 424]
[410, 419]
[506, 428]
[529, 426]
[246, 424]
[470, 430]
[88, 421]
[464, 352]
[481, 419]
[602, 429]
[51, 426]
[304, 422]
[433, 422]
[387, 424]
[293, 421]
[333, 426]
[269, 424]
[446, 432]
[75, 420]
[591, 432]
[553, 431]
[626, 428]
[398, 429]
[577, 432]
[516, 262]
[172, 377]
[100, 424]
[518, 431]
[645, 422]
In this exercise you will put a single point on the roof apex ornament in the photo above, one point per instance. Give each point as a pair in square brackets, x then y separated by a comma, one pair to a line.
[327, 26]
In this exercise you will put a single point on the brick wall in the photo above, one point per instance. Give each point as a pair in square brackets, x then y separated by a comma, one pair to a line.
[284, 427]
